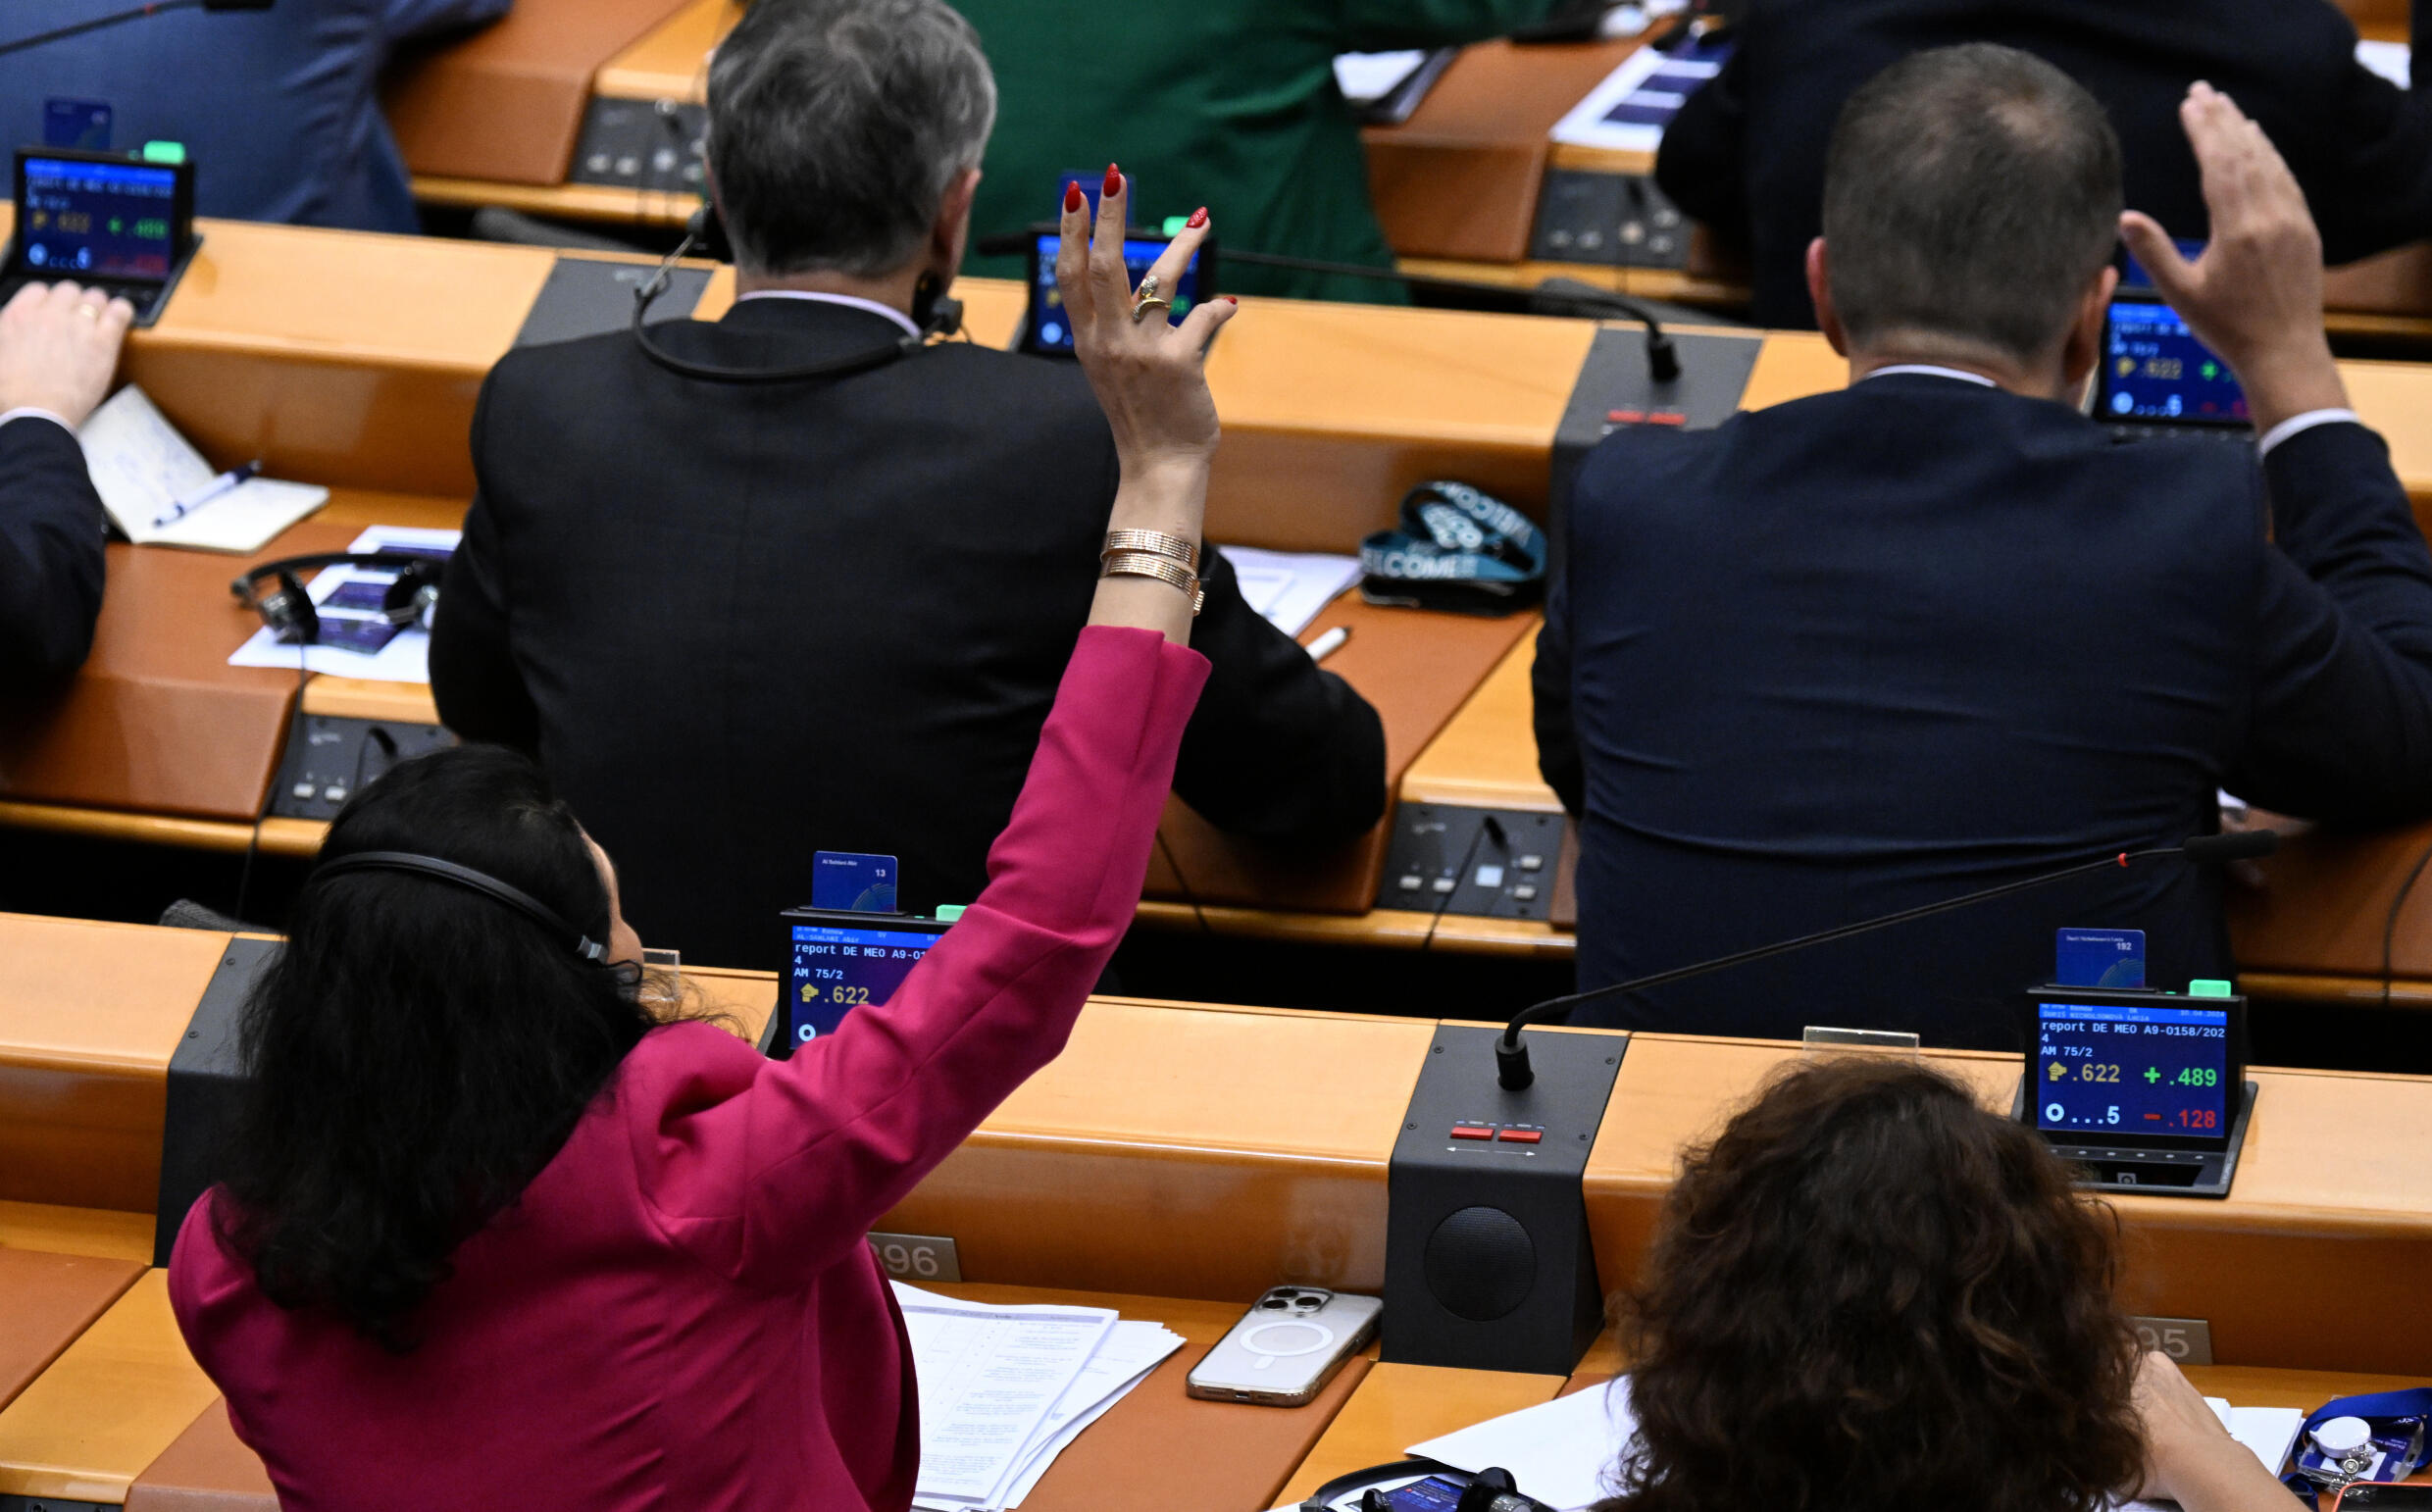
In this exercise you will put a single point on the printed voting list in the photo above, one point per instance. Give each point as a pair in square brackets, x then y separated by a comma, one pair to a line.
[143, 468]
[1005, 1389]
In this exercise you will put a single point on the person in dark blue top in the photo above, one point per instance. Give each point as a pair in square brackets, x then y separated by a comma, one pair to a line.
[1937, 631]
[59, 345]
[280, 108]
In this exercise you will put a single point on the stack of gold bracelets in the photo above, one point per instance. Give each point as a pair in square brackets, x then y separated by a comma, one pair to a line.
[1154, 554]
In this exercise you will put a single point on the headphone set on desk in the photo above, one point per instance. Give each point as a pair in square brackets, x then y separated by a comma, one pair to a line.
[289, 613]
[936, 315]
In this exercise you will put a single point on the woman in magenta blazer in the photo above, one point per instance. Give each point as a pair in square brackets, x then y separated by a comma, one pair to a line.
[497, 1237]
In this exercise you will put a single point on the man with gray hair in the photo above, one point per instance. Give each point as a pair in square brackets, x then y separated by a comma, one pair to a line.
[810, 573]
[1937, 631]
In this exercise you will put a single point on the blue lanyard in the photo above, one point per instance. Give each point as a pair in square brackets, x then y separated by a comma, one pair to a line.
[1455, 547]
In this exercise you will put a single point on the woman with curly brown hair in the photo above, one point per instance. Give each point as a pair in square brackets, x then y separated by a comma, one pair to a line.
[1869, 1294]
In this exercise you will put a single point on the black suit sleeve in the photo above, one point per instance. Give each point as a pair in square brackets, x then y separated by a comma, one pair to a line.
[1701, 167]
[1550, 681]
[473, 679]
[1280, 750]
[2342, 723]
[51, 525]
[2379, 194]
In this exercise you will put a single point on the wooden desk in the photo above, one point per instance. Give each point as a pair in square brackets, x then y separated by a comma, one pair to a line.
[1400, 1405]
[1261, 1139]
[107, 1407]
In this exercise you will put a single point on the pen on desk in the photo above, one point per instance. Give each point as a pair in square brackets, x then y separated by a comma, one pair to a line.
[1328, 643]
[223, 483]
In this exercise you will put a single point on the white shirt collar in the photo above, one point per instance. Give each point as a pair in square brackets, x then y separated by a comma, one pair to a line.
[849, 301]
[1928, 370]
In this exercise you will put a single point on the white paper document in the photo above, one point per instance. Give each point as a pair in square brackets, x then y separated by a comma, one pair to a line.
[1289, 588]
[2393, 60]
[1628, 112]
[988, 1379]
[1132, 1349]
[1559, 1452]
[1367, 77]
[141, 467]
[405, 659]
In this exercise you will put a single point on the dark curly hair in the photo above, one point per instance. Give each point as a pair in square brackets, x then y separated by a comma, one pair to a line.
[417, 1053]
[1869, 1293]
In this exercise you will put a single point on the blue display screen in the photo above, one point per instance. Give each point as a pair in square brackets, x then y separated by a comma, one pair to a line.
[101, 220]
[832, 970]
[1139, 254]
[1436, 1493]
[2114, 1070]
[2154, 369]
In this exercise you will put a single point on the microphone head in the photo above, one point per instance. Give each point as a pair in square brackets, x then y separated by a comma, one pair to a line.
[2235, 845]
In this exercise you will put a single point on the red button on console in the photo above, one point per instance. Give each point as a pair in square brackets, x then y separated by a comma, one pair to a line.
[1521, 1136]
[1472, 1131]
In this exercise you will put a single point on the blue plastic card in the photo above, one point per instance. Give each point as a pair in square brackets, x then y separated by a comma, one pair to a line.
[78, 124]
[849, 880]
[2099, 958]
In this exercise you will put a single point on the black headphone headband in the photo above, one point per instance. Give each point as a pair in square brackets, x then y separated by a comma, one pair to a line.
[471, 880]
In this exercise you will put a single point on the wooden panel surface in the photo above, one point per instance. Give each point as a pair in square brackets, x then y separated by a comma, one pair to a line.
[507, 102]
[1258, 1140]
[1485, 756]
[207, 1469]
[105, 1234]
[51, 1298]
[106, 1408]
[2330, 1199]
[671, 60]
[89, 1015]
[1400, 1405]
[1459, 179]
[1416, 667]
[1159, 1447]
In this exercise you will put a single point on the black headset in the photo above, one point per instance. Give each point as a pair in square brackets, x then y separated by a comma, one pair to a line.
[464, 877]
[936, 315]
[290, 613]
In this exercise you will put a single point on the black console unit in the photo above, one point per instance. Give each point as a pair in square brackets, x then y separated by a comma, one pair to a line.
[1615, 220]
[1476, 863]
[643, 145]
[329, 757]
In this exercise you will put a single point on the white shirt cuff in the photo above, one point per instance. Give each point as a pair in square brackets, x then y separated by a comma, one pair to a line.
[24, 411]
[2297, 422]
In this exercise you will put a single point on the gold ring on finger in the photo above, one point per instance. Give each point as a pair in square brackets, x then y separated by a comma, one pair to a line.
[90, 312]
[1150, 287]
[1141, 308]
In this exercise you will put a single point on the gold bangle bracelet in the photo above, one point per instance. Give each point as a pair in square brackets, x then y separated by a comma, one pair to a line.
[1142, 564]
[1156, 543]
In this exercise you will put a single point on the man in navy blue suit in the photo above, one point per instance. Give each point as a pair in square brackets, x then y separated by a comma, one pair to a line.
[1937, 631]
[59, 345]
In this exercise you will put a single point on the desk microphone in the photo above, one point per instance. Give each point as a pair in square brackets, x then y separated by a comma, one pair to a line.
[1511, 1057]
[1663, 359]
[156, 8]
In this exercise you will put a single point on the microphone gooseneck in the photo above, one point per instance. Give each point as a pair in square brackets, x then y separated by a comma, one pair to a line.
[97, 23]
[1512, 1056]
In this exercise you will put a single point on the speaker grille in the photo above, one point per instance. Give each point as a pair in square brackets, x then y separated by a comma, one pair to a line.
[1480, 1263]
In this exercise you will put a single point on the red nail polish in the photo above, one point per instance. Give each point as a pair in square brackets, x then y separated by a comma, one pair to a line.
[1198, 217]
[1229, 299]
[1114, 180]
[1073, 199]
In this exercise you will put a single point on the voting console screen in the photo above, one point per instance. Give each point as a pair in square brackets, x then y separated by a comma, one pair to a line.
[1139, 254]
[2154, 369]
[2106, 1071]
[101, 220]
[832, 970]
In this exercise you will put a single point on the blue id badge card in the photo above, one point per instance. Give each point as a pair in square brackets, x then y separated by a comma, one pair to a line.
[2099, 958]
[851, 880]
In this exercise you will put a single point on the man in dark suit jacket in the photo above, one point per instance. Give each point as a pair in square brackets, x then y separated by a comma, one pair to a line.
[742, 621]
[1746, 154]
[59, 344]
[1936, 631]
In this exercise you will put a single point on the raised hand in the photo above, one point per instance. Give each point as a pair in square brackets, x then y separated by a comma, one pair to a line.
[1151, 378]
[59, 345]
[2256, 294]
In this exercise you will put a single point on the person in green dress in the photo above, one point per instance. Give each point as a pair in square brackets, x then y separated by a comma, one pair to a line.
[1230, 104]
